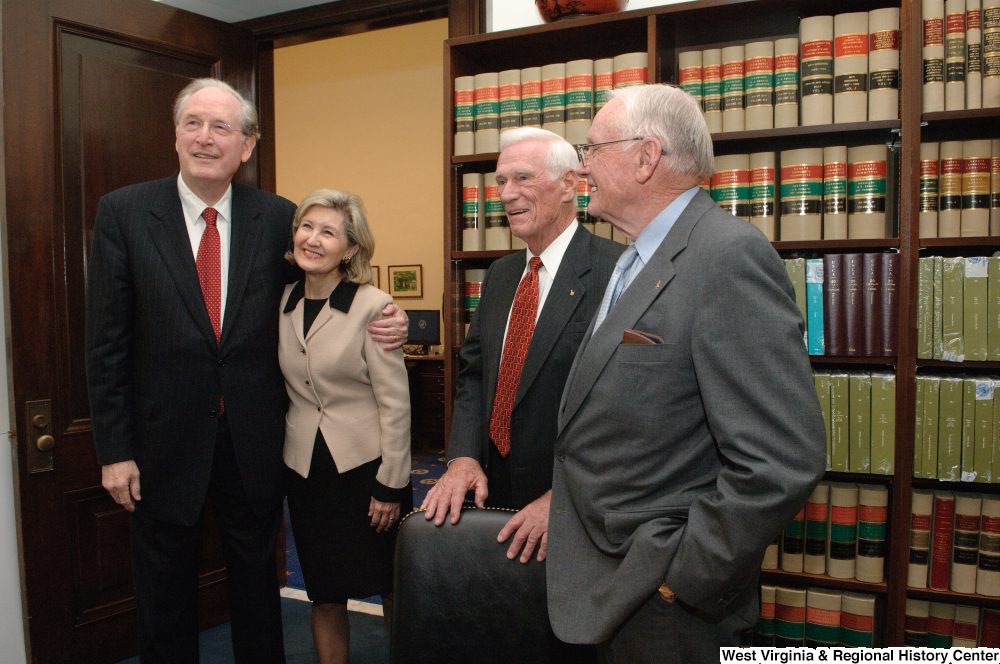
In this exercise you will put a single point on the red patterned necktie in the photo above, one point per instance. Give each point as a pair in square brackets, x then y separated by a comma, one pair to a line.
[515, 349]
[209, 266]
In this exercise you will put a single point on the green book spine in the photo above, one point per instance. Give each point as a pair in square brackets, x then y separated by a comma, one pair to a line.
[937, 295]
[840, 400]
[974, 317]
[925, 309]
[949, 456]
[995, 464]
[993, 309]
[796, 268]
[968, 429]
[952, 333]
[860, 454]
[932, 398]
[822, 382]
[883, 423]
[983, 455]
[918, 428]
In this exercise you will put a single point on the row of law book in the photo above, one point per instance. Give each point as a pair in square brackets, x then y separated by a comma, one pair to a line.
[955, 542]
[814, 617]
[849, 302]
[958, 308]
[957, 429]
[561, 97]
[840, 532]
[485, 226]
[960, 188]
[833, 193]
[859, 412]
[961, 54]
[847, 70]
[944, 625]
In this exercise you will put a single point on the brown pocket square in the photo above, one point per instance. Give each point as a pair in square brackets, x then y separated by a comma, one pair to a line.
[638, 337]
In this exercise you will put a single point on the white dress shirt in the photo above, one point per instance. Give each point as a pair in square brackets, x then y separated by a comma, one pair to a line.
[193, 207]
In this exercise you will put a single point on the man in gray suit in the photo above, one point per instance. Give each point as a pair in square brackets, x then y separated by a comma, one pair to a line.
[689, 429]
[538, 186]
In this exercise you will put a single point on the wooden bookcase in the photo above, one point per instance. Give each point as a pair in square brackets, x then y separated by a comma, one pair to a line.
[666, 31]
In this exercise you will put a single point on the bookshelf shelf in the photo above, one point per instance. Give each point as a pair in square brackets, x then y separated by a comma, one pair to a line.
[483, 158]
[930, 242]
[953, 598]
[959, 365]
[482, 255]
[959, 487]
[822, 580]
[841, 359]
[820, 247]
[860, 478]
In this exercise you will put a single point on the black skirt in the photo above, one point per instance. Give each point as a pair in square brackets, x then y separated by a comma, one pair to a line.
[341, 554]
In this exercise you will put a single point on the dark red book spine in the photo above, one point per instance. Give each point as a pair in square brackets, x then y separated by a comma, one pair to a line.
[890, 304]
[834, 330]
[944, 515]
[989, 634]
[872, 305]
[854, 310]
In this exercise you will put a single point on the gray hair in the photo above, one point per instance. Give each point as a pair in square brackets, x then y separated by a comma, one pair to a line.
[561, 154]
[249, 124]
[667, 113]
[359, 269]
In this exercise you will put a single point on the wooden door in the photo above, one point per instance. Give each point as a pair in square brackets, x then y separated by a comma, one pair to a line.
[88, 89]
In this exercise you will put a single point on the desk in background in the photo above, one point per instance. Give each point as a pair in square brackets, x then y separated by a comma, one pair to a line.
[426, 376]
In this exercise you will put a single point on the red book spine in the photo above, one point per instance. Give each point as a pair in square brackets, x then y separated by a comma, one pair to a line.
[872, 305]
[854, 296]
[834, 329]
[989, 633]
[944, 514]
[890, 304]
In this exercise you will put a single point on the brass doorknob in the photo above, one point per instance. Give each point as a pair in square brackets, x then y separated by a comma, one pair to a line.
[45, 443]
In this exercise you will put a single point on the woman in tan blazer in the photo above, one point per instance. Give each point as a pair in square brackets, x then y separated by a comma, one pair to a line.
[347, 440]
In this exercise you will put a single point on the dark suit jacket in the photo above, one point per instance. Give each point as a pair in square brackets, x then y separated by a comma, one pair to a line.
[680, 462]
[573, 299]
[154, 370]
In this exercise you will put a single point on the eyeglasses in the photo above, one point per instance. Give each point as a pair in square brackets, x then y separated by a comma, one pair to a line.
[216, 129]
[585, 149]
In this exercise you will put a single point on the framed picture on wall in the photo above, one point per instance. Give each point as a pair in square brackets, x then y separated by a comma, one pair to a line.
[406, 281]
[376, 279]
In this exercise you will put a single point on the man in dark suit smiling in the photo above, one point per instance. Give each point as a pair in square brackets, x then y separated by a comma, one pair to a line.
[186, 395]
[504, 420]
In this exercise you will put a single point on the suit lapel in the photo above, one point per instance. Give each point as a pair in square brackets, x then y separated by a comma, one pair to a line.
[170, 235]
[633, 303]
[324, 315]
[244, 238]
[558, 309]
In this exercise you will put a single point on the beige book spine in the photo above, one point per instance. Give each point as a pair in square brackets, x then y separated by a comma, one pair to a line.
[786, 82]
[974, 321]
[801, 194]
[850, 67]
[883, 64]
[965, 543]
[579, 100]
[510, 99]
[497, 235]
[866, 192]
[950, 188]
[554, 98]
[531, 97]
[759, 82]
[731, 184]
[763, 194]
[929, 190]
[817, 513]
[976, 188]
[835, 192]
[954, 55]
[973, 54]
[966, 627]
[473, 212]
[841, 560]
[618, 236]
[733, 97]
[631, 69]
[816, 37]
[988, 573]
[604, 81]
[487, 112]
[949, 447]
[518, 243]
[711, 71]
[873, 502]
[991, 53]
[465, 115]
[922, 507]
[995, 185]
[860, 453]
[689, 74]
[770, 560]
[933, 55]
[602, 229]
[883, 423]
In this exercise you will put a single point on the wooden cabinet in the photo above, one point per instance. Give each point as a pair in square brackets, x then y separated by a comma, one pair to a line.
[663, 32]
[426, 375]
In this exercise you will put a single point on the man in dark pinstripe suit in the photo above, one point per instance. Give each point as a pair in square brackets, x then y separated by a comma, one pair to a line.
[195, 406]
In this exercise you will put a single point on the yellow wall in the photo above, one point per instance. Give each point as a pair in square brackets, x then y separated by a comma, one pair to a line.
[363, 113]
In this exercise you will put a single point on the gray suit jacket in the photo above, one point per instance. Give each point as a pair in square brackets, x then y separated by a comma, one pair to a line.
[575, 294]
[680, 462]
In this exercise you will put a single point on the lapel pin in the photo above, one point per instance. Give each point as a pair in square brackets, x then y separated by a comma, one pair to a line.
[571, 293]
[658, 283]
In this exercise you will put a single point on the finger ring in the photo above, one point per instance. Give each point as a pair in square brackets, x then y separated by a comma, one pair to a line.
[394, 338]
